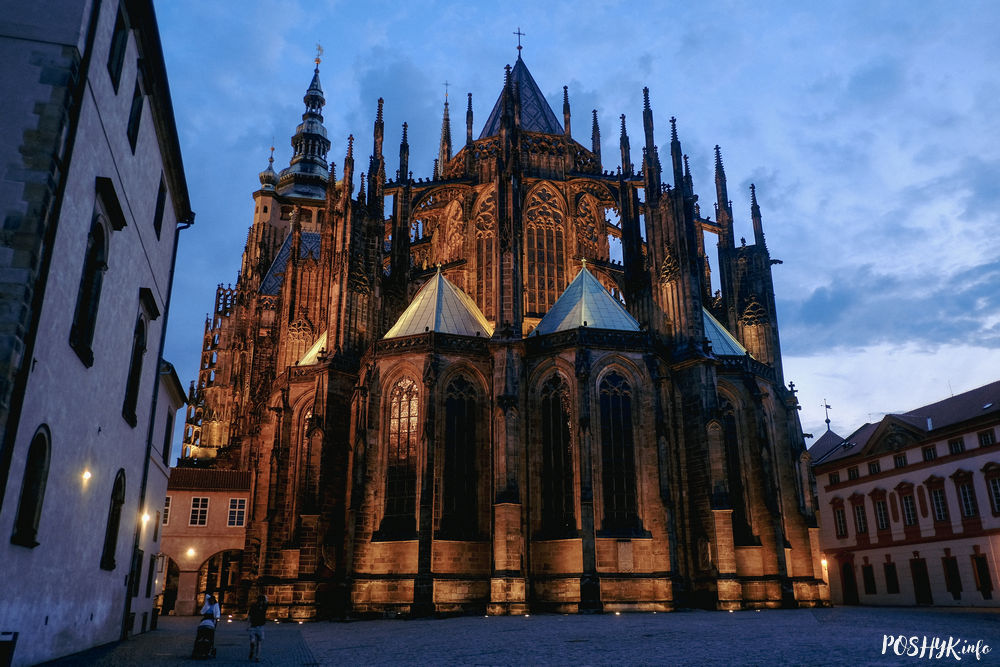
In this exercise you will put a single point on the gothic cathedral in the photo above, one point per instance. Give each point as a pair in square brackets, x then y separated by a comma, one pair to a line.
[510, 389]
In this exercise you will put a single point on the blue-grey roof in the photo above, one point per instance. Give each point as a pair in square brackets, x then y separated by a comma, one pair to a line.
[723, 342]
[272, 281]
[441, 306]
[536, 114]
[586, 303]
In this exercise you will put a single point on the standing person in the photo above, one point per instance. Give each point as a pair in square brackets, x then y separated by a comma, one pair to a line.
[257, 617]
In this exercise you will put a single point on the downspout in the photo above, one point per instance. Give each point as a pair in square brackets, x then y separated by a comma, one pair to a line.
[183, 224]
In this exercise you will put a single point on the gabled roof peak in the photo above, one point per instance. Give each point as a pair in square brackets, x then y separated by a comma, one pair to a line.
[536, 114]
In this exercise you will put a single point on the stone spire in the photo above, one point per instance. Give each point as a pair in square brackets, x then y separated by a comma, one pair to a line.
[444, 150]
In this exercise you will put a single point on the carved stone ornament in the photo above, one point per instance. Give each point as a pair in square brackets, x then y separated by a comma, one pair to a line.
[754, 314]
[669, 268]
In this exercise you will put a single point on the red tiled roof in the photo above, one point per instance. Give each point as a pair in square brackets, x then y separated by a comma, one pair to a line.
[208, 479]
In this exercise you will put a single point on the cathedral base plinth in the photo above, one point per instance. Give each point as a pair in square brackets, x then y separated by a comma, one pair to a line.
[507, 597]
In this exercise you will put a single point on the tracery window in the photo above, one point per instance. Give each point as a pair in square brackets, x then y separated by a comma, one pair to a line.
[618, 455]
[401, 464]
[114, 521]
[29, 509]
[558, 498]
[738, 497]
[485, 285]
[545, 252]
[95, 262]
[459, 506]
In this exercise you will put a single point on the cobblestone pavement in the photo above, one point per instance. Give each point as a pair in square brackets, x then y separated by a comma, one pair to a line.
[839, 636]
[172, 641]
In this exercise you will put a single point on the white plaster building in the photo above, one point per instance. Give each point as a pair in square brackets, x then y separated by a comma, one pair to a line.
[92, 195]
[910, 506]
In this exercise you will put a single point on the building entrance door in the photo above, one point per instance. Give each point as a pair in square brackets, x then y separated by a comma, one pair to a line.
[921, 582]
[849, 583]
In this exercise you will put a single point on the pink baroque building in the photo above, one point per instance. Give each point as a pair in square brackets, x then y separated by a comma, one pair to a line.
[910, 506]
[204, 528]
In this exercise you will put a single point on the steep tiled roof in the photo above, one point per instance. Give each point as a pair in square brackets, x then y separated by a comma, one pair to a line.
[973, 403]
[984, 400]
[824, 445]
[442, 307]
[208, 479]
[586, 303]
[272, 281]
[843, 447]
[536, 114]
[723, 342]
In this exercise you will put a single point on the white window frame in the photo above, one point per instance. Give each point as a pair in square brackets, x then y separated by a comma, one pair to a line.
[882, 515]
[840, 521]
[995, 493]
[909, 510]
[860, 520]
[237, 513]
[970, 508]
[202, 511]
[940, 505]
[166, 511]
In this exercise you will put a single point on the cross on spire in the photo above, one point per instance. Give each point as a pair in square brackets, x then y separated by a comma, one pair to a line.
[445, 84]
[319, 54]
[519, 36]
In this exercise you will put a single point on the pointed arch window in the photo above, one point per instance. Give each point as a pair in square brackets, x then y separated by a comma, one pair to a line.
[399, 519]
[558, 497]
[738, 499]
[114, 521]
[95, 262]
[134, 371]
[484, 264]
[459, 502]
[29, 509]
[621, 514]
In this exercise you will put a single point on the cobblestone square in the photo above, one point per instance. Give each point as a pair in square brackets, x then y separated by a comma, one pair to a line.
[837, 636]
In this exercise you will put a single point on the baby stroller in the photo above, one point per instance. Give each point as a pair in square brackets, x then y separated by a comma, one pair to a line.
[204, 642]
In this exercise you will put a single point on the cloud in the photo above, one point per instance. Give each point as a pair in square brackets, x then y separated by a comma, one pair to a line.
[866, 307]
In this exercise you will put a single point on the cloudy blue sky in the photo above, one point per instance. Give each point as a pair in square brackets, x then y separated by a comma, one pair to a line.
[869, 129]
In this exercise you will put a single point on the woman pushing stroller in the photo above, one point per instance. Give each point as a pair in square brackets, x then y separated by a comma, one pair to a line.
[204, 643]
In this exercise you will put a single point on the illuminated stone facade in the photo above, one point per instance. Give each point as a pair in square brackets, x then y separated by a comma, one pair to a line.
[642, 457]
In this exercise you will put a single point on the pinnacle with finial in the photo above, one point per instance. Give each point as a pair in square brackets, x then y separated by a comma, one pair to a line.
[753, 195]
[673, 129]
[718, 156]
[623, 124]
[645, 98]
[350, 146]
[404, 133]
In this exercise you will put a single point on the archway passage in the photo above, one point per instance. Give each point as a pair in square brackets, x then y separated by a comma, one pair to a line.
[220, 575]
